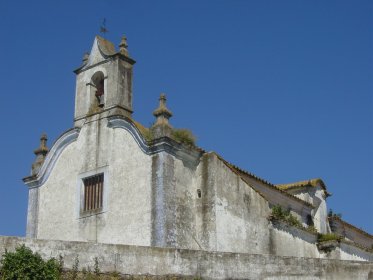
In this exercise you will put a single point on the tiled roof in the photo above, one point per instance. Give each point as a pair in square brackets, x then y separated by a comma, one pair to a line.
[106, 46]
[240, 172]
[303, 184]
[336, 218]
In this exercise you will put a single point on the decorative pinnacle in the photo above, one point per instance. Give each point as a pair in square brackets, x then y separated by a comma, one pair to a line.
[43, 149]
[85, 58]
[161, 127]
[162, 113]
[40, 153]
[123, 46]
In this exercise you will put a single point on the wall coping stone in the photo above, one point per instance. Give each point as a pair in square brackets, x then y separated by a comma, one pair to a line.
[139, 260]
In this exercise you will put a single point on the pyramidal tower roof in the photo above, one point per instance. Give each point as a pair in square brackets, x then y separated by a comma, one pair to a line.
[103, 49]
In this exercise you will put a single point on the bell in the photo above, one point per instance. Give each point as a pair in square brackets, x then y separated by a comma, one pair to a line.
[101, 101]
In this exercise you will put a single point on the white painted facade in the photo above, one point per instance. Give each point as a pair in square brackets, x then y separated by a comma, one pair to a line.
[125, 217]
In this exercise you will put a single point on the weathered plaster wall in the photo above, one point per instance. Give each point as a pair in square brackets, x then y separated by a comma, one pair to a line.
[286, 201]
[187, 216]
[320, 217]
[290, 241]
[32, 212]
[163, 217]
[137, 260]
[57, 207]
[350, 252]
[126, 216]
[241, 213]
[315, 196]
[206, 205]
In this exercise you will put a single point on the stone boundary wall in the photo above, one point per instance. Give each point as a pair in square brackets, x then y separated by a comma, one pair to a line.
[137, 260]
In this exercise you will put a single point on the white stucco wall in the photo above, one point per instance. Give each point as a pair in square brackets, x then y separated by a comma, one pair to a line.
[188, 221]
[320, 218]
[290, 241]
[350, 252]
[127, 189]
[315, 196]
[241, 214]
[57, 199]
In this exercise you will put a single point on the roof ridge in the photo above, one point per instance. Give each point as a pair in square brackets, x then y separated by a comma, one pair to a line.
[350, 225]
[305, 183]
[232, 166]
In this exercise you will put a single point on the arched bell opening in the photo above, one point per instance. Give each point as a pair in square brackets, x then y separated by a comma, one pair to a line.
[98, 84]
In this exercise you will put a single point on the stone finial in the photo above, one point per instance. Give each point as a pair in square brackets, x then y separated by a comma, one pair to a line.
[162, 113]
[123, 46]
[41, 154]
[161, 126]
[85, 58]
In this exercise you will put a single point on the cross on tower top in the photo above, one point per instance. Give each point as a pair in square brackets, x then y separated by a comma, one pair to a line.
[103, 28]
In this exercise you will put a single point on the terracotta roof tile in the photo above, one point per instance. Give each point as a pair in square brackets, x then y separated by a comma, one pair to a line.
[106, 46]
[239, 170]
[350, 226]
[303, 184]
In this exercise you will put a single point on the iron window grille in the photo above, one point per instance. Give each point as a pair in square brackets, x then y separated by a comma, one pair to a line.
[93, 192]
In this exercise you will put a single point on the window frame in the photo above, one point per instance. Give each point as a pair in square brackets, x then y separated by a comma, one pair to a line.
[80, 211]
[93, 192]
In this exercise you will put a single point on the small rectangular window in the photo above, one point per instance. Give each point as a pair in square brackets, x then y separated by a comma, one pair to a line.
[93, 192]
[199, 194]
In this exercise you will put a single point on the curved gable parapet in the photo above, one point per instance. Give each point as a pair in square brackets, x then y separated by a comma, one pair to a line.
[164, 144]
[59, 145]
[119, 122]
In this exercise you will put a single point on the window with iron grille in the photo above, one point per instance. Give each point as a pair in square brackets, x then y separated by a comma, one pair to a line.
[93, 192]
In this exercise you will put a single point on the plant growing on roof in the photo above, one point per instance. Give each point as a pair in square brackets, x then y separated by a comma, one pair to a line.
[278, 213]
[312, 229]
[332, 214]
[328, 237]
[184, 136]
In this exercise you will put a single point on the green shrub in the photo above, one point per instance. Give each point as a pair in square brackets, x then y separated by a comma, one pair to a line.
[24, 264]
[114, 275]
[184, 136]
[332, 214]
[280, 214]
[328, 237]
[148, 134]
[312, 229]
[60, 264]
[292, 220]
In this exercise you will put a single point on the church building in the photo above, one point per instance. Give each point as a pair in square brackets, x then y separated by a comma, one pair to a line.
[111, 180]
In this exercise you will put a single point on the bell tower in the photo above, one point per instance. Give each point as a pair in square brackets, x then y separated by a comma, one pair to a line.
[104, 82]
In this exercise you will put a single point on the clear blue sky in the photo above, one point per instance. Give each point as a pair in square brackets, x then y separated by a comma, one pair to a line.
[282, 89]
